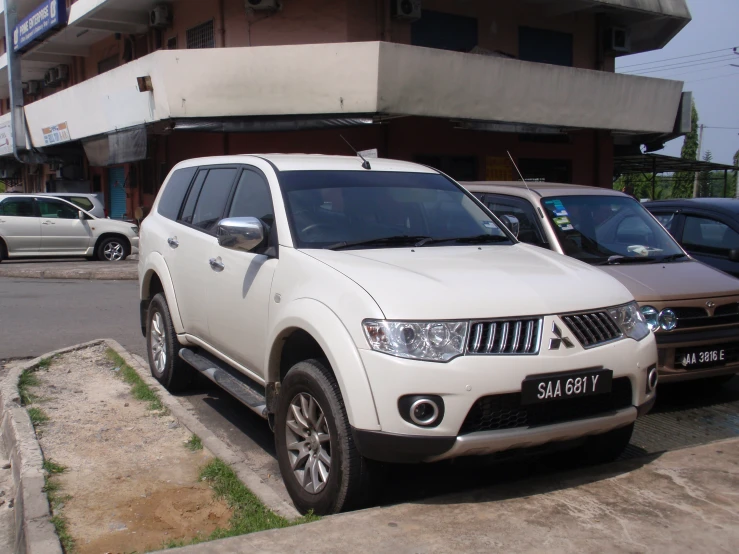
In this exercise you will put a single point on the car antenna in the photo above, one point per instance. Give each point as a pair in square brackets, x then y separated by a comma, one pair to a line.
[365, 163]
[518, 170]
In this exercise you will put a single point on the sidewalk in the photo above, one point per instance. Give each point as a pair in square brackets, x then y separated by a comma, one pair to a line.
[683, 501]
[77, 268]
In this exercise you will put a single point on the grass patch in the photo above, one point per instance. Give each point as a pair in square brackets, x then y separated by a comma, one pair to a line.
[38, 416]
[194, 443]
[249, 514]
[139, 389]
[54, 468]
[45, 363]
[27, 380]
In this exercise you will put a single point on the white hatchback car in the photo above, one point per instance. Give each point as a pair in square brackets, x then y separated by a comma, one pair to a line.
[42, 226]
[379, 312]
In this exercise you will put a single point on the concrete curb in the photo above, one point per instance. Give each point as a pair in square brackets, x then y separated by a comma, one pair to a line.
[127, 273]
[220, 449]
[34, 532]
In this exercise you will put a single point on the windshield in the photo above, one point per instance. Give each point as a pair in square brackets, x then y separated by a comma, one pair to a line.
[608, 229]
[372, 209]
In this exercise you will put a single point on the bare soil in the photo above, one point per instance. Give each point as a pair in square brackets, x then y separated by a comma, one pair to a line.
[132, 484]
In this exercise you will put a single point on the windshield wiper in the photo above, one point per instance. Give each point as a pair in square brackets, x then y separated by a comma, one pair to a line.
[617, 260]
[479, 239]
[672, 258]
[399, 240]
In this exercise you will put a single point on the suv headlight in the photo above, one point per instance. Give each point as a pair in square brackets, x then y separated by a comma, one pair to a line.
[435, 341]
[630, 320]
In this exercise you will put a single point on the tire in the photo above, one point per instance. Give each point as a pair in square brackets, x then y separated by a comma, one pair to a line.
[599, 449]
[347, 483]
[113, 249]
[163, 348]
[3, 251]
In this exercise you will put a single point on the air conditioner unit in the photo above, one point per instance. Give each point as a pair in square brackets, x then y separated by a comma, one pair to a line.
[51, 76]
[160, 16]
[618, 40]
[410, 10]
[62, 73]
[34, 87]
[265, 5]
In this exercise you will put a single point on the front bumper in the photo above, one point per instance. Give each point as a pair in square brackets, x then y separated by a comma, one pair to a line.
[671, 371]
[134, 244]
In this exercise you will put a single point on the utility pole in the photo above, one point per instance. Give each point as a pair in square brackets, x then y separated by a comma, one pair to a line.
[700, 152]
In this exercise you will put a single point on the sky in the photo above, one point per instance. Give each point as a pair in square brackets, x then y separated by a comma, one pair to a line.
[714, 83]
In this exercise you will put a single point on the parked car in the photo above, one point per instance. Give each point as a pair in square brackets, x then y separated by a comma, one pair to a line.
[91, 203]
[381, 314]
[692, 308]
[41, 226]
[707, 228]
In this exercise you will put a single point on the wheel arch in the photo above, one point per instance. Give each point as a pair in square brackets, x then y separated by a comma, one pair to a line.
[154, 278]
[112, 234]
[311, 330]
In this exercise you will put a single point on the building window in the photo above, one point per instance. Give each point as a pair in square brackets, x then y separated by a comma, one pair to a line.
[172, 43]
[444, 31]
[107, 64]
[552, 171]
[544, 46]
[461, 168]
[201, 36]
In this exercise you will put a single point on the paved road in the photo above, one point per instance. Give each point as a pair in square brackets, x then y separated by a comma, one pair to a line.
[37, 316]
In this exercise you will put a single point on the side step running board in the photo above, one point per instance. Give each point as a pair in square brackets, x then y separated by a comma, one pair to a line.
[222, 376]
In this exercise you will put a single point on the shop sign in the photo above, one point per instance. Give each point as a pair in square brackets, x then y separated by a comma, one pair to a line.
[40, 21]
[56, 134]
[498, 169]
[6, 138]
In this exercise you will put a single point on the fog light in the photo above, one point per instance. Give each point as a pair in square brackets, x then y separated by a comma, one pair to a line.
[652, 379]
[667, 320]
[422, 410]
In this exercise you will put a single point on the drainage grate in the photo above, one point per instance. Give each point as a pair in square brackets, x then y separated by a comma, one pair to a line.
[687, 414]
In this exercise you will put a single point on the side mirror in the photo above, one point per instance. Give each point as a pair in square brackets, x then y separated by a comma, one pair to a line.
[512, 223]
[734, 255]
[81, 215]
[240, 233]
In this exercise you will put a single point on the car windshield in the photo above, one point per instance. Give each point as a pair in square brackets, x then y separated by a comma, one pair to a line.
[609, 230]
[373, 209]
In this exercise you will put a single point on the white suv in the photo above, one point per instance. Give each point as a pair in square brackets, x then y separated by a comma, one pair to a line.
[379, 312]
[37, 225]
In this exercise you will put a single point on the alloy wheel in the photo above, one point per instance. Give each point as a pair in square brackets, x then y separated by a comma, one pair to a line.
[113, 251]
[308, 443]
[158, 343]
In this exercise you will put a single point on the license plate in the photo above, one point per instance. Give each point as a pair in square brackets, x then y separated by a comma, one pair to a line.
[562, 386]
[701, 357]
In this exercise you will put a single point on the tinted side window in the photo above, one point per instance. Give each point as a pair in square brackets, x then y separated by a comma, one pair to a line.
[54, 209]
[174, 193]
[521, 210]
[666, 220]
[82, 202]
[709, 236]
[19, 207]
[213, 198]
[192, 198]
[253, 198]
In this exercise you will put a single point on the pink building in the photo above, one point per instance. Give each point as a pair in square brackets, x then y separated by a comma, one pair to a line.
[118, 91]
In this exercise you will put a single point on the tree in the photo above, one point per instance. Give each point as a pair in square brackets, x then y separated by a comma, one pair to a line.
[705, 179]
[683, 187]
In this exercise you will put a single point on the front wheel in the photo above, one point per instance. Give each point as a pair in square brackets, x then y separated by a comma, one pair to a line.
[322, 469]
[113, 249]
[163, 347]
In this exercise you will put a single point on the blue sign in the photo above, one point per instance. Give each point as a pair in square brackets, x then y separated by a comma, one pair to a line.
[40, 21]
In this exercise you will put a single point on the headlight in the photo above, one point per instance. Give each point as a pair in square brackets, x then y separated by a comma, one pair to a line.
[630, 320]
[422, 340]
[651, 316]
[135, 230]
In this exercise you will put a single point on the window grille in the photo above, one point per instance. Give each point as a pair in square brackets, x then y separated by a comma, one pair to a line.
[201, 36]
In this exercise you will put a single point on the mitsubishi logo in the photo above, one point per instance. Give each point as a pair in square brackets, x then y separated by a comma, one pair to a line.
[555, 343]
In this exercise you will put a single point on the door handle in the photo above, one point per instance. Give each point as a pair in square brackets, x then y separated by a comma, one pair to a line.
[216, 264]
[49, 223]
[173, 242]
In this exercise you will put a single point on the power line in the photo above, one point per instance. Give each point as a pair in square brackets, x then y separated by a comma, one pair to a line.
[684, 65]
[673, 75]
[716, 77]
[677, 58]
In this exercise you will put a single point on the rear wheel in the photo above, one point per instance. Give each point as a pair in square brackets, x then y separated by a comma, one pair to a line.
[163, 348]
[321, 467]
[3, 251]
[113, 249]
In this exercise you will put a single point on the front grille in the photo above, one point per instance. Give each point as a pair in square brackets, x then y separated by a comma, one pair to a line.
[592, 329]
[517, 336]
[504, 411]
[693, 318]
